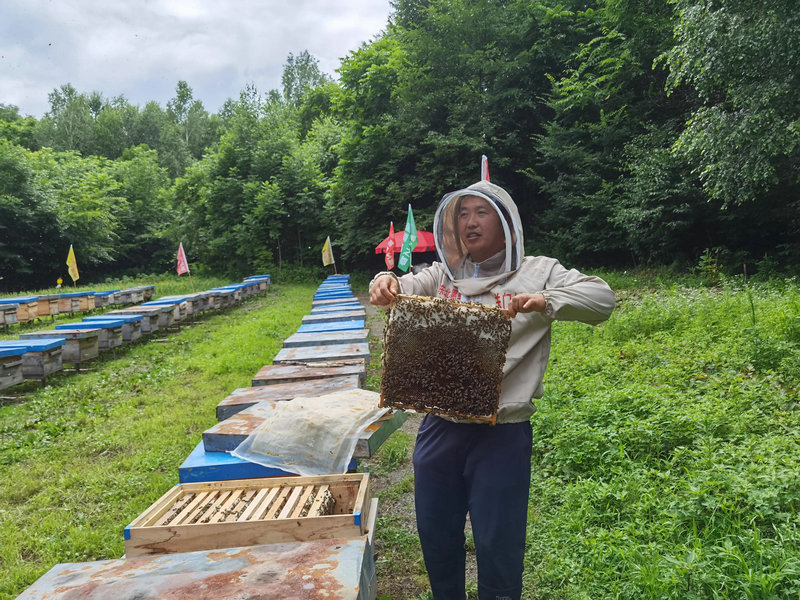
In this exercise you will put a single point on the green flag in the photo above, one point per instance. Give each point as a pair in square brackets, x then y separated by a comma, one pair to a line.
[409, 242]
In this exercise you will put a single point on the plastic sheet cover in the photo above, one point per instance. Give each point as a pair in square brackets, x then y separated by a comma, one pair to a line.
[312, 436]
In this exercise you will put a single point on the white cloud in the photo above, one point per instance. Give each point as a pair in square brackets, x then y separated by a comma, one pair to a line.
[142, 48]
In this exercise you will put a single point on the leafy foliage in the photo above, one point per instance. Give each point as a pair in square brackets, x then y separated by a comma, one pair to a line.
[629, 132]
[742, 58]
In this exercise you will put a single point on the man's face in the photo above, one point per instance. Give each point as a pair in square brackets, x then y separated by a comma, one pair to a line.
[480, 228]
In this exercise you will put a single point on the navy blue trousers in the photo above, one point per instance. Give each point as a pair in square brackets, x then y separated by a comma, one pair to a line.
[483, 470]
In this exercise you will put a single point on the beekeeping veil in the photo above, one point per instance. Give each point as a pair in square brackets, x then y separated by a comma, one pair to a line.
[451, 249]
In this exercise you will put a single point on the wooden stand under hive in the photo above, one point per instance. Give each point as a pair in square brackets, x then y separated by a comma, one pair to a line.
[247, 512]
[444, 357]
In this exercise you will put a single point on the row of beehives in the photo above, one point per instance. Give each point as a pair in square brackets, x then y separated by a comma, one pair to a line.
[22, 309]
[324, 356]
[41, 353]
[292, 531]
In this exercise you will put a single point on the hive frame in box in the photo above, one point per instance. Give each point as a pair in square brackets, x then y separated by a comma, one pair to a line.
[269, 515]
[488, 329]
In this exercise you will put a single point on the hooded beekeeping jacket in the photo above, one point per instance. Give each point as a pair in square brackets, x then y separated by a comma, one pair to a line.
[569, 294]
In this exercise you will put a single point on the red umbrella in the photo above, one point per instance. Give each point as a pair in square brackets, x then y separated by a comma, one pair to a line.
[425, 242]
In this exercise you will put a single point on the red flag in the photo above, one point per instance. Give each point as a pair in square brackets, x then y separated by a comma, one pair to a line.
[183, 265]
[389, 257]
[484, 168]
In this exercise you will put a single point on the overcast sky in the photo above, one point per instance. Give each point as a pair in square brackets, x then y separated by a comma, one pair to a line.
[142, 48]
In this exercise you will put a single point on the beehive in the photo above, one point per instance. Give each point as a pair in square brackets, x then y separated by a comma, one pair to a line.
[81, 344]
[69, 303]
[333, 569]
[47, 305]
[8, 314]
[27, 308]
[11, 366]
[445, 357]
[247, 512]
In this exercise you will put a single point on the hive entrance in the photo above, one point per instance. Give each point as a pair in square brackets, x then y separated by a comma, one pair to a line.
[444, 357]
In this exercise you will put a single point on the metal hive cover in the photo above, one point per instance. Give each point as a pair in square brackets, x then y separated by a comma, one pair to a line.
[445, 357]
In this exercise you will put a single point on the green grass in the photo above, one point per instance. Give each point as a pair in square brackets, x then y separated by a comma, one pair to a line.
[667, 450]
[82, 457]
[665, 464]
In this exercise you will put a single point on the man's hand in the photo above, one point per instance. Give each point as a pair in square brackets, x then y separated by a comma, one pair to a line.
[525, 303]
[383, 291]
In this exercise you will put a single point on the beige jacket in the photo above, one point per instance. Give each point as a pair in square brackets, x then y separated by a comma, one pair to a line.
[569, 294]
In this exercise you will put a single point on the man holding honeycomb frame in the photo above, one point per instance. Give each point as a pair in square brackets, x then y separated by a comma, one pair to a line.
[463, 465]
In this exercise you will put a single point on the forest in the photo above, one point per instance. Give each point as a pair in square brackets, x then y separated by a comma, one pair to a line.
[631, 133]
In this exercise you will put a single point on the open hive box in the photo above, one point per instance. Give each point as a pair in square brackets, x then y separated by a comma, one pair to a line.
[445, 357]
[247, 512]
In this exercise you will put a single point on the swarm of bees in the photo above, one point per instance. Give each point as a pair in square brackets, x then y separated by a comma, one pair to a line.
[444, 357]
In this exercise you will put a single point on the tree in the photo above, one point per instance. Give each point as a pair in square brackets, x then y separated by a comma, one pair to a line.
[145, 215]
[110, 135]
[357, 200]
[743, 140]
[18, 130]
[151, 120]
[603, 102]
[300, 74]
[190, 132]
[29, 223]
[178, 107]
[86, 198]
[68, 125]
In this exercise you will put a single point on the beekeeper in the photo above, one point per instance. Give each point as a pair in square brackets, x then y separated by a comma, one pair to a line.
[465, 467]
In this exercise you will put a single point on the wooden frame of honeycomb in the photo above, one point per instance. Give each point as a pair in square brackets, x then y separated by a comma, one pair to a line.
[247, 512]
[444, 357]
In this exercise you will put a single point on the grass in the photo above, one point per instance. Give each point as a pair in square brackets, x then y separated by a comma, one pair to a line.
[665, 464]
[666, 450]
[82, 457]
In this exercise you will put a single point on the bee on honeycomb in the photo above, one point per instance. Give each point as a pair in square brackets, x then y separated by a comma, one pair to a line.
[444, 357]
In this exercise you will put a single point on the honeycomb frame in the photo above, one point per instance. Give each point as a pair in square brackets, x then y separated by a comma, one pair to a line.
[444, 357]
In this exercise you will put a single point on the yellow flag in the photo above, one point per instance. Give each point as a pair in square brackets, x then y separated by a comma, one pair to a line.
[72, 264]
[327, 253]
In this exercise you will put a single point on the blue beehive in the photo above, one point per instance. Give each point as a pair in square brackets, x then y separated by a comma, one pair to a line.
[11, 366]
[131, 325]
[42, 356]
[109, 331]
